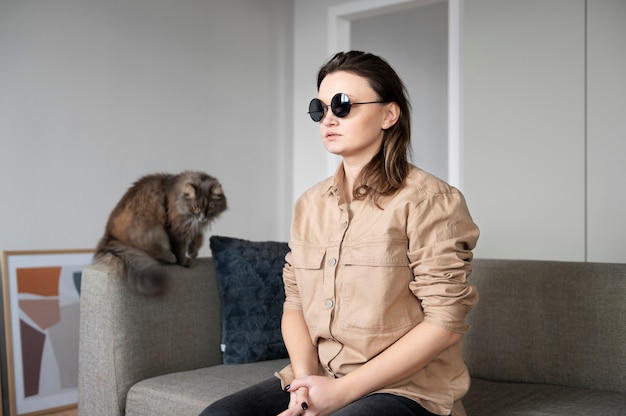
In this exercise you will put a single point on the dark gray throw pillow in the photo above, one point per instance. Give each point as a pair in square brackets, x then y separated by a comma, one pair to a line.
[249, 278]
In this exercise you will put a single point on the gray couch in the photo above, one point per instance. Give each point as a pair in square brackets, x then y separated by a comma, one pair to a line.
[547, 338]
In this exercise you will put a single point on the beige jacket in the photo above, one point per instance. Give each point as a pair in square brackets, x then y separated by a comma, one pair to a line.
[364, 276]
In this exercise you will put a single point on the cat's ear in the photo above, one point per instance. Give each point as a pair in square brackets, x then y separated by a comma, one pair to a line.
[190, 191]
[217, 190]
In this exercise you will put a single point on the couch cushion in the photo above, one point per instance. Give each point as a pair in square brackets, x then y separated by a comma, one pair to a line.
[189, 392]
[249, 276]
[488, 398]
[549, 322]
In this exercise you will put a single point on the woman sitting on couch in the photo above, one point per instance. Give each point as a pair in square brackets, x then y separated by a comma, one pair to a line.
[376, 280]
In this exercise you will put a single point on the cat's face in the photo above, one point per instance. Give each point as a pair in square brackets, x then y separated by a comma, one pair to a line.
[203, 197]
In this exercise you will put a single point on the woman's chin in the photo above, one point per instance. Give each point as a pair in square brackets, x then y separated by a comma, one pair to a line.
[333, 148]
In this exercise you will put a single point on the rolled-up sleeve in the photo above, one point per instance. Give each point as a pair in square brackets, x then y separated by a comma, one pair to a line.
[441, 238]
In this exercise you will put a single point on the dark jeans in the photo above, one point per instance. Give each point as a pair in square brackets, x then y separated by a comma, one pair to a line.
[268, 399]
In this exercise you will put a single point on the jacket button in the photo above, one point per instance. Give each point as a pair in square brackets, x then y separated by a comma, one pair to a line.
[332, 261]
[329, 303]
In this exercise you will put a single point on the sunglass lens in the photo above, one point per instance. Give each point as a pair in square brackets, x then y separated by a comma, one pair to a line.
[316, 109]
[340, 104]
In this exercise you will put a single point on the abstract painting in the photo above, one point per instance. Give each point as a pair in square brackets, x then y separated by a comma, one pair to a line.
[41, 294]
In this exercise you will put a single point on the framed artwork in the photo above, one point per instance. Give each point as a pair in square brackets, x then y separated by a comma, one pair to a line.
[41, 296]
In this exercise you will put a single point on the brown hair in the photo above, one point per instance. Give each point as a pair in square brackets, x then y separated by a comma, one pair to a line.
[385, 173]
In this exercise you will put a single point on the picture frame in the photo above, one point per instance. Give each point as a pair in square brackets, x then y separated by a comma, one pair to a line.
[41, 303]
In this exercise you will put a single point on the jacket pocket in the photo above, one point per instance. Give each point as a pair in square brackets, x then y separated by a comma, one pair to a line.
[376, 297]
[308, 265]
[308, 258]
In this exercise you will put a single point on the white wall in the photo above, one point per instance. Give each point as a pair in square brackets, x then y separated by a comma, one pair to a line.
[524, 127]
[94, 94]
[606, 130]
[545, 153]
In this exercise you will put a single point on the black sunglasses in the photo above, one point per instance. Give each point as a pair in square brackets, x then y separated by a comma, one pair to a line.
[340, 106]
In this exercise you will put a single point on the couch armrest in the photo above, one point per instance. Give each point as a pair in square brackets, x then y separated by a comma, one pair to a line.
[126, 337]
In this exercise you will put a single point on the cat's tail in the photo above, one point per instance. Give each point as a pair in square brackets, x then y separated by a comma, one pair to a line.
[142, 271]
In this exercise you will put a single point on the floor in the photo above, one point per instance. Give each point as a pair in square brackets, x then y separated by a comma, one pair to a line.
[66, 412]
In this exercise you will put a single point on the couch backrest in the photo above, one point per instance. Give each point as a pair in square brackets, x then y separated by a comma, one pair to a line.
[549, 322]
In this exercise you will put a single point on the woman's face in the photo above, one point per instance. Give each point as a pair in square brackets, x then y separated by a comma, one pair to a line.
[358, 136]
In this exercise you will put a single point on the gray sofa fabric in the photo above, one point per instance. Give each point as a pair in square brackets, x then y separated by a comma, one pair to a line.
[126, 338]
[492, 398]
[564, 323]
[547, 338]
[189, 392]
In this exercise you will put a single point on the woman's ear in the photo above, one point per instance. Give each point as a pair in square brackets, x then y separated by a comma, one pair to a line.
[392, 114]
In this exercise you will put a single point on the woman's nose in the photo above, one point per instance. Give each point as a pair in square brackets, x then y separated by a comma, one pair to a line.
[329, 119]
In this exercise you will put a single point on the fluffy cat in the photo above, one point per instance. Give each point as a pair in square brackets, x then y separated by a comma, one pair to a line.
[160, 220]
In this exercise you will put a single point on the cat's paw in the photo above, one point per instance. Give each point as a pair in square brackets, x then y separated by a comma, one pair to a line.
[185, 262]
[167, 257]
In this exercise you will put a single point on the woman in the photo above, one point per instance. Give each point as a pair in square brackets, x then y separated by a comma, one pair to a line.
[376, 280]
